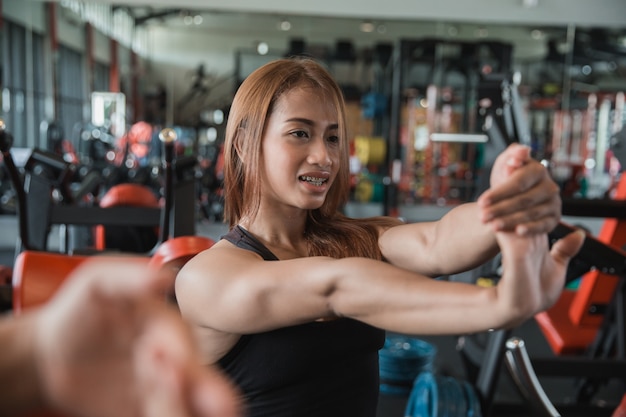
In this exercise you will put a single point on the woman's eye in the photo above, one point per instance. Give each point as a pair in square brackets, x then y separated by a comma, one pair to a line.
[333, 139]
[300, 134]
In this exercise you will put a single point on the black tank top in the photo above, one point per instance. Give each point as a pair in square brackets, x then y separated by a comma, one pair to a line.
[321, 369]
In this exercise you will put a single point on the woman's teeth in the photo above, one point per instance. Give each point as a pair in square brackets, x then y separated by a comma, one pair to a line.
[313, 180]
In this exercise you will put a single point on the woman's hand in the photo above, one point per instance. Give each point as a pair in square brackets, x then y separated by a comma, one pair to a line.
[533, 275]
[523, 197]
[108, 345]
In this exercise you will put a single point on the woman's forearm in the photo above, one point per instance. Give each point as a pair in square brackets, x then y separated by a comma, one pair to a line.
[462, 233]
[458, 242]
[401, 301]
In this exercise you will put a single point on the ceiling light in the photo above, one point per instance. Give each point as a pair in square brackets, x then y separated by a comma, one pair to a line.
[367, 26]
[197, 19]
[481, 32]
[262, 48]
[284, 25]
[536, 34]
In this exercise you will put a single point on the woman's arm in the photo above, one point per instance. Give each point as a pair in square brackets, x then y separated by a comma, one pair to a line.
[522, 198]
[234, 291]
[450, 245]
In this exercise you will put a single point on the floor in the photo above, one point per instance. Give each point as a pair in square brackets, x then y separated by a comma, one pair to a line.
[507, 400]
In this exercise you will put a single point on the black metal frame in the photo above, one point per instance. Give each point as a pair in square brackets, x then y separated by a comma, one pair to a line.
[38, 212]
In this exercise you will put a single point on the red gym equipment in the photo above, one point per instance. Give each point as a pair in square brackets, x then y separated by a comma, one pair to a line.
[573, 323]
[38, 274]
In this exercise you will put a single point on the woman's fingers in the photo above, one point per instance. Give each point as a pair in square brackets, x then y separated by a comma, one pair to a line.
[523, 202]
[564, 249]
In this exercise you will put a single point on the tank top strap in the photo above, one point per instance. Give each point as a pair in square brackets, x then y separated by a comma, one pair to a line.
[243, 239]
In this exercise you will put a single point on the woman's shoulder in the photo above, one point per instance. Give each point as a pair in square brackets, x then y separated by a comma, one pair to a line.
[223, 250]
[214, 266]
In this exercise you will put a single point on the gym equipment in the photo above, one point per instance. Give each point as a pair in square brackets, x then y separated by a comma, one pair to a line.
[523, 372]
[7, 196]
[604, 358]
[590, 320]
[407, 370]
[127, 239]
[438, 80]
[176, 251]
[571, 326]
[37, 275]
[521, 369]
[401, 360]
[48, 175]
[437, 396]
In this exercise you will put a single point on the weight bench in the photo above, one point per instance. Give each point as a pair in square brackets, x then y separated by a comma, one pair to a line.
[38, 275]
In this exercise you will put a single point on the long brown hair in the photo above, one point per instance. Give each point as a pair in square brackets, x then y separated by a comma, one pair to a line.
[327, 231]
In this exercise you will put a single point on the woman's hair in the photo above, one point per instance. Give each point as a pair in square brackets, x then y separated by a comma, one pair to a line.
[253, 104]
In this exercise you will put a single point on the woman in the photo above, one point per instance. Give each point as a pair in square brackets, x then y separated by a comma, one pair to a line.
[300, 334]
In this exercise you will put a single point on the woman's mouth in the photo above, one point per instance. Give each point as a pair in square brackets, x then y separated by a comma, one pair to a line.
[317, 181]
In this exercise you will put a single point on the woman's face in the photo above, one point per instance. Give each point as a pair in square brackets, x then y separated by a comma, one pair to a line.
[300, 150]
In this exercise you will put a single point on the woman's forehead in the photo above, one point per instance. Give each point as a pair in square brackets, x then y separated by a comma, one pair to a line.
[303, 99]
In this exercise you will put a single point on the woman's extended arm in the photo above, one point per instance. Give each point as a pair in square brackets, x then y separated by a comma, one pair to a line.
[522, 198]
[234, 291]
[450, 245]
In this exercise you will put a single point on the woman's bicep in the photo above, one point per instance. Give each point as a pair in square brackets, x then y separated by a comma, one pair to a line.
[236, 293]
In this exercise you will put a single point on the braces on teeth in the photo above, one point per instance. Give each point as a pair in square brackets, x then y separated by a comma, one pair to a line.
[315, 181]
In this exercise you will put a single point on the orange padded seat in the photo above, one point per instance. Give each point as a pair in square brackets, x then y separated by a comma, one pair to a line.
[175, 252]
[38, 275]
[179, 250]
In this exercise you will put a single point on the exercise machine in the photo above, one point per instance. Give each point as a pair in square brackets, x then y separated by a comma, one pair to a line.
[45, 199]
[585, 328]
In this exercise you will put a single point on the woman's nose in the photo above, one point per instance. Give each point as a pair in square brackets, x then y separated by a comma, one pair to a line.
[319, 154]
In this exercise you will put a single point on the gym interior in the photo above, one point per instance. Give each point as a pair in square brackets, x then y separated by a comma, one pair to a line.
[113, 120]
